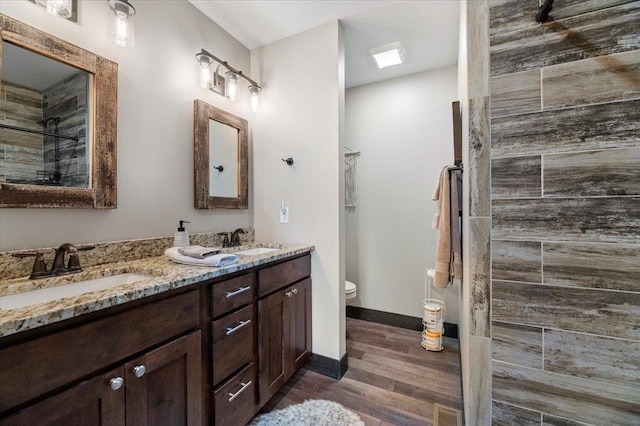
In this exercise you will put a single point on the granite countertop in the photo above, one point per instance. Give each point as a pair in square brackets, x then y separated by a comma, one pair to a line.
[166, 275]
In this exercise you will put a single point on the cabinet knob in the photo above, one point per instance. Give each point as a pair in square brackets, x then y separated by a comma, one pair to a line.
[295, 291]
[289, 293]
[116, 383]
[139, 370]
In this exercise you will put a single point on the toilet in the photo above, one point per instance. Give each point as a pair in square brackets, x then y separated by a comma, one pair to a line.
[349, 290]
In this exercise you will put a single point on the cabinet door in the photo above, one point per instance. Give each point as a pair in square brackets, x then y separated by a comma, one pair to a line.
[300, 327]
[98, 401]
[273, 343]
[164, 385]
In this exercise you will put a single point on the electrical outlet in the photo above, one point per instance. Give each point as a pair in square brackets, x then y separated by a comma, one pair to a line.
[284, 212]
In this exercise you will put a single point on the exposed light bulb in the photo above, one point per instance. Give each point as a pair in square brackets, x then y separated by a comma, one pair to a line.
[56, 7]
[205, 70]
[121, 28]
[232, 87]
[255, 97]
[205, 76]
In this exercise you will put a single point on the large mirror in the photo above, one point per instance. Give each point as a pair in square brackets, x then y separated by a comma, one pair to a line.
[221, 160]
[57, 122]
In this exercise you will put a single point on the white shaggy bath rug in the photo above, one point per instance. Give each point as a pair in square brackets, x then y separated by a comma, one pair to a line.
[315, 412]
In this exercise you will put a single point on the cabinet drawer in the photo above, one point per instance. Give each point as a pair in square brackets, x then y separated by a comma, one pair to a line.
[283, 274]
[38, 366]
[234, 402]
[233, 342]
[231, 294]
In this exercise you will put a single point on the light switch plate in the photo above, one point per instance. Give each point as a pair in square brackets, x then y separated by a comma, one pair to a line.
[284, 213]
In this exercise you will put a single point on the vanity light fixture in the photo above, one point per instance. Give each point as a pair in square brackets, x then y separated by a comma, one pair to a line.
[56, 7]
[388, 54]
[226, 85]
[121, 25]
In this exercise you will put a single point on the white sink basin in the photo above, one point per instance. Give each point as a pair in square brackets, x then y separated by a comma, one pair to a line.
[256, 251]
[35, 297]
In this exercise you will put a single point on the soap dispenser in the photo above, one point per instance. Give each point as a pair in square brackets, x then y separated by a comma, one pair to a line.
[181, 237]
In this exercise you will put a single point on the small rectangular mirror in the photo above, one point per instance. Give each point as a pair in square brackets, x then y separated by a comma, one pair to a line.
[221, 160]
[223, 155]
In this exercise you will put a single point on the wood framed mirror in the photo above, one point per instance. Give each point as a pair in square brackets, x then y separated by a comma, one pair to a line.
[221, 158]
[59, 158]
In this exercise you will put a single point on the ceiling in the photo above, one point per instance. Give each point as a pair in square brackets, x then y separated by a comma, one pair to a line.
[428, 29]
[29, 69]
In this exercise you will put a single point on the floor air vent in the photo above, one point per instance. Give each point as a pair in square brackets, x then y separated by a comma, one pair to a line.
[446, 416]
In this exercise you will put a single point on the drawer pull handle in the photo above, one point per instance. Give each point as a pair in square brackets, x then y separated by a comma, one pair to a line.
[231, 330]
[233, 396]
[139, 370]
[116, 383]
[238, 291]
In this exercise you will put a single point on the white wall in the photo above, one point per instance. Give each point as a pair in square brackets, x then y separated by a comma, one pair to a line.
[403, 128]
[300, 118]
[157, 83]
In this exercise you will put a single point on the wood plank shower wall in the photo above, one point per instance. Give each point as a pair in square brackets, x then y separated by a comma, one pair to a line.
[565, 212]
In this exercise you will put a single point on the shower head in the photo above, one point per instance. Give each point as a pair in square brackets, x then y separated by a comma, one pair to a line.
[45, 123]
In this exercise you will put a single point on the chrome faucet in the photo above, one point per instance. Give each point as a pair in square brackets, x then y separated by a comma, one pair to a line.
[235, 237]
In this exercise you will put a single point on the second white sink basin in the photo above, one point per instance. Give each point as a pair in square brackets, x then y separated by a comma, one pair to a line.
[43, 295]
[256, 251]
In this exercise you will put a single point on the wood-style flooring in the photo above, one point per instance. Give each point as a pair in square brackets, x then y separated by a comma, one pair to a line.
[391, 379]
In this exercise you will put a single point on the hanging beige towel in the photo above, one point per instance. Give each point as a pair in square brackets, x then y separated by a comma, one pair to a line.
[442, 222]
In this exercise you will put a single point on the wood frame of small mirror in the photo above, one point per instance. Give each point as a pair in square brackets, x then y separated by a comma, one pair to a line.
[203, 112]
[102, 193]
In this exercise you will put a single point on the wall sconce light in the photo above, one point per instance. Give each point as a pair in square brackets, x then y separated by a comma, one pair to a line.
[227, 85]
[121, 25]
[56, 7]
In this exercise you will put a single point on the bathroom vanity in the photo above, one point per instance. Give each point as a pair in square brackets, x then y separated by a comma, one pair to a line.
[190, 345]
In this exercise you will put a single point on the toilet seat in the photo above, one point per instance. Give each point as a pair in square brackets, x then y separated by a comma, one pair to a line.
[349, 290]
[349, 287]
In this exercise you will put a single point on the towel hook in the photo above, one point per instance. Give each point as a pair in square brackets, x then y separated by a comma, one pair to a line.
[543, 11]
[289, 161]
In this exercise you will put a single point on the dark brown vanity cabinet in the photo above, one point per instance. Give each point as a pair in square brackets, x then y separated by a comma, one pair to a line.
[212, 353]
[284, 324]
[233, 348]
[58, 378]
[261, 335]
